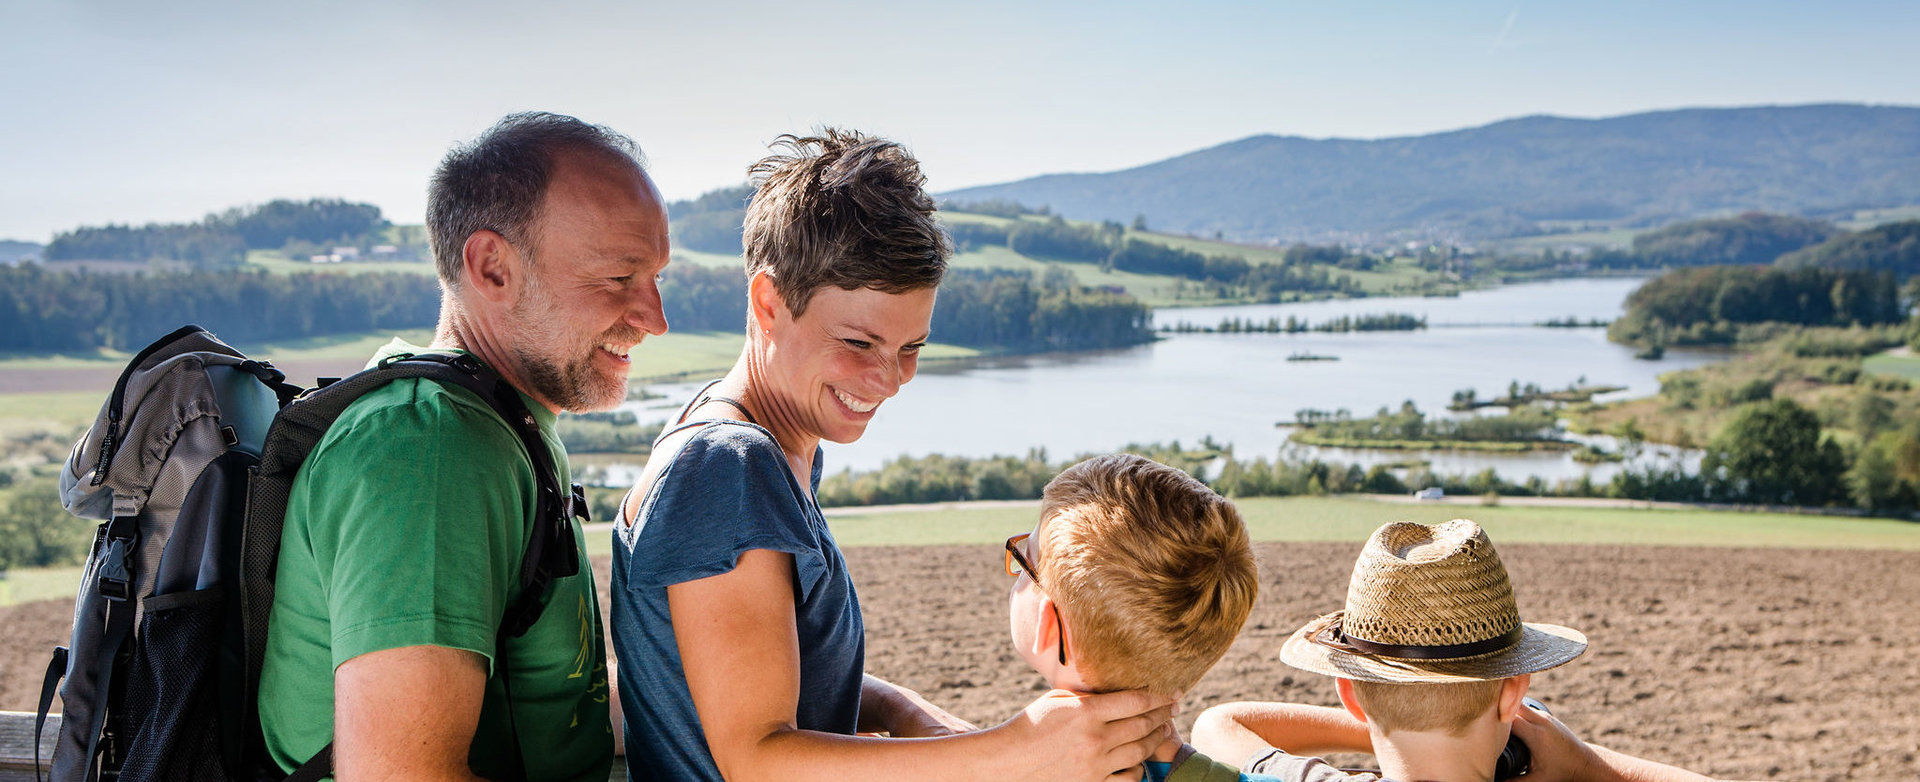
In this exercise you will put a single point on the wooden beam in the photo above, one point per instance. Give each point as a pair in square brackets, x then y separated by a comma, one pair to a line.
[16, 747]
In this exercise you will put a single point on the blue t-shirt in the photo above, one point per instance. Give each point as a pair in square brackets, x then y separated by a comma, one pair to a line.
[728, 491]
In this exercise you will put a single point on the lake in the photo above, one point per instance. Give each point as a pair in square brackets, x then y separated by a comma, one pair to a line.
[1236, 387]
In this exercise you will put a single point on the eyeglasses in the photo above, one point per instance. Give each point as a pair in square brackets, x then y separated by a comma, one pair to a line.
[1017, 563]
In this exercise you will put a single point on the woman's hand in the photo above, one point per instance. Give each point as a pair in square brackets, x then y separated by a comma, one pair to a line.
[1077, 738]
[1557, 754]
[1560, 755]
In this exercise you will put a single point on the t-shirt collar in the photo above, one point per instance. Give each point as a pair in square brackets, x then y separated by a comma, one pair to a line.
[398, 346]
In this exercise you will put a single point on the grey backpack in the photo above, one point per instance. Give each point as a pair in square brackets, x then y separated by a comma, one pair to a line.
[188, 467]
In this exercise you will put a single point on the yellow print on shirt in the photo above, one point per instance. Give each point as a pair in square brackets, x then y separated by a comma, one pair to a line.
[586, 641]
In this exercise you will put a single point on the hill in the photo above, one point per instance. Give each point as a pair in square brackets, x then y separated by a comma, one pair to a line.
[1893, 247]
[1747, 240]
[12, 250]
[1514, 177]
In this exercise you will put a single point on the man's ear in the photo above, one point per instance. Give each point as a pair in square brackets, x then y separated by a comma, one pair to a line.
[1511, 691]
[1349, 700]
[764, 303]
[490, 266]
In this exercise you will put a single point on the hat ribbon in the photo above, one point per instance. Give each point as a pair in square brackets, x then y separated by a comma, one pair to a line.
[1330, 635]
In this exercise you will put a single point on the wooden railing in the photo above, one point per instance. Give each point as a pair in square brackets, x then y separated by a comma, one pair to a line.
[16, 747]
[16, 744]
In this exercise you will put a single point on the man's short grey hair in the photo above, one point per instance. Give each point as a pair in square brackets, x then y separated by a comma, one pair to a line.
[496, 182]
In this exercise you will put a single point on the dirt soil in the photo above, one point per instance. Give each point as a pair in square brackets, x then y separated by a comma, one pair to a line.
[1738, 663]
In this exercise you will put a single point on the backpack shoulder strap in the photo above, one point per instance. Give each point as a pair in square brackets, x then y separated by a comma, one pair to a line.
[551, 552]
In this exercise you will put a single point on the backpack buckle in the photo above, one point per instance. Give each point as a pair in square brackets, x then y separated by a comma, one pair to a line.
[114, 582]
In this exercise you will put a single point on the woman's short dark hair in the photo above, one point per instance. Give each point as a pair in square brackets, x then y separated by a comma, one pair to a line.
[845, 209]
[496, 182]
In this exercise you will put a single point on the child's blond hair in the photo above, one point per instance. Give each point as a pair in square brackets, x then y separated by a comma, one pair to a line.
[1426, 707]
[1152, 570]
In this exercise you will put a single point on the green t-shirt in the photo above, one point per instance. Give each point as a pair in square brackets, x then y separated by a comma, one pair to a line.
[406, 527]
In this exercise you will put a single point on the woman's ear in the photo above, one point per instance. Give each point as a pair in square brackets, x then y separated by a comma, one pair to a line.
[490, 267]
[764, 303]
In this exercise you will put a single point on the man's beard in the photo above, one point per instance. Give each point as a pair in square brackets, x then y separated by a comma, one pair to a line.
[574, 385]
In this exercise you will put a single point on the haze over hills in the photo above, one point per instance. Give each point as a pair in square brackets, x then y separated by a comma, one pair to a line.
[1513, 177]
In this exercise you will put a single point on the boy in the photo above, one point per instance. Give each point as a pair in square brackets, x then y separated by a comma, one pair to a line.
[1431, 656]
[1136, 577]
[1139, 576]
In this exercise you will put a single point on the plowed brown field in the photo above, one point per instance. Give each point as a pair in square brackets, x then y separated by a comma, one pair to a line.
[1747, 663]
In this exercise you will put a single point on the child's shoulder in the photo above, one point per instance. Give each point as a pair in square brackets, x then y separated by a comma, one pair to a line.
[1283, 767]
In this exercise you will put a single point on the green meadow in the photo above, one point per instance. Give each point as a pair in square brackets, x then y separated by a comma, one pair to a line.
[1303, 519]
[1159, 290]
[1907, 366]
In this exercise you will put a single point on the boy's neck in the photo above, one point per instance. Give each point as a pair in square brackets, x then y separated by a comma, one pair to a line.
[1437, 756]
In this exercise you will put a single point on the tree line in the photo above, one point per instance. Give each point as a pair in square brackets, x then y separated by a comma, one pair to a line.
[1770, 453]
[1759, 239]
[1302, 268]
[1708, 305]
[44, 310]
[1387, 321]
[223, 239]
[998, 309]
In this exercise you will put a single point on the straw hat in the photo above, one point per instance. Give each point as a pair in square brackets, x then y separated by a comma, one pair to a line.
[1429, 604]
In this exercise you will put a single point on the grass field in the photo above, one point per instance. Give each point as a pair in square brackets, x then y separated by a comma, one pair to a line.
[1402, 276]
[274, 261]
[1619, 237]
[29, 584]
[50, 411]
[1868, 218]
[1306, 519]
[1301, 519]
[1907, 366]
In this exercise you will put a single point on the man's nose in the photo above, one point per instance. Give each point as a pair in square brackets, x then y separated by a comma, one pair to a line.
[646, 311]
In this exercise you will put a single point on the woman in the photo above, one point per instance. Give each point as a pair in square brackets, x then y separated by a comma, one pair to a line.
[738, 632]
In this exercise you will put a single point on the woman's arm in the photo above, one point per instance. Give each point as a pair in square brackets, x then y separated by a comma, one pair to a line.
[1560, 755]
[740, 650]
[1233, 733]
[901, 713]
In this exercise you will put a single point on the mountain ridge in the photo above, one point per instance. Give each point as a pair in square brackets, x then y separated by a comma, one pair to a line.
[1509, 177]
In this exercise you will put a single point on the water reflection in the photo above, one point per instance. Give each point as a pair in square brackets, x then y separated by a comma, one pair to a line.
[1236, 387]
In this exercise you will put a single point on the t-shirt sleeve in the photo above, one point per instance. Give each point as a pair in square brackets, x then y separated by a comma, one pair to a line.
[1200, 768]
[418, 521]
[728, 491]
[1278, 766]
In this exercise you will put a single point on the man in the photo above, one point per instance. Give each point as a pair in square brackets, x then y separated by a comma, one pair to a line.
[406, 527]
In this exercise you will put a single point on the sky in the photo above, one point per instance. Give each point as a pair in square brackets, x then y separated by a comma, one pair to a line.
[129, 112]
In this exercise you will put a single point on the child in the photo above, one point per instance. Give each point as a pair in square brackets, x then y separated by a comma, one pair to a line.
[1136, 577]
[1432, 657]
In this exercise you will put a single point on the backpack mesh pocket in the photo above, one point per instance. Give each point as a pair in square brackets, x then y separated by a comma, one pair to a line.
[173, 686]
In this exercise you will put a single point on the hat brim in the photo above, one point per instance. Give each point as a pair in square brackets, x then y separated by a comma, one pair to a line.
[1541, 646]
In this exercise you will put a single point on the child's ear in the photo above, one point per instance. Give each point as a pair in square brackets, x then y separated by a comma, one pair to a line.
[1511, 691]
[1349, 700]
[1048, 635]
